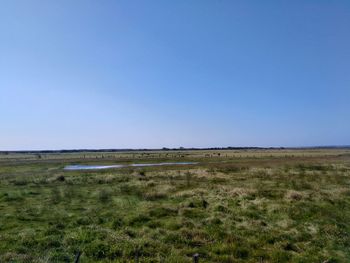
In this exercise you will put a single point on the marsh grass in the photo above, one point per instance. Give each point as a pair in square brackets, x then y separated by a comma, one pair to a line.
[261, 209]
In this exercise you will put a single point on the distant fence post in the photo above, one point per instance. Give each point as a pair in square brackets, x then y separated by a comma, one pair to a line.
[196, 258]
[77, 257]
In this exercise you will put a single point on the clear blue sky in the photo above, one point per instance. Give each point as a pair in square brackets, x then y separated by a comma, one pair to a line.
[134, 74]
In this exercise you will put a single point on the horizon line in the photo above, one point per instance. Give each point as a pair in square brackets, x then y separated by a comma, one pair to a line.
[177, 149]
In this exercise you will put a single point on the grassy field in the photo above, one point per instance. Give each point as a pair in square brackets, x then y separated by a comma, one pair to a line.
[233, 206]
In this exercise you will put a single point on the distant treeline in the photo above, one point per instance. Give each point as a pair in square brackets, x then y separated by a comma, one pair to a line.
[175, 149]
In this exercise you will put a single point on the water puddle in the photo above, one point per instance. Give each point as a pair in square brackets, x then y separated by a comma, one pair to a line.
[99, 167]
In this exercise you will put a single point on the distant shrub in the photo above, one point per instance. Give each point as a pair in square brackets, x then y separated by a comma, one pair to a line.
[204, 203]
[60, 178]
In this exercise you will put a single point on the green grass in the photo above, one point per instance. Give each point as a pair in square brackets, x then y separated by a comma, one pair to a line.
[266, 208]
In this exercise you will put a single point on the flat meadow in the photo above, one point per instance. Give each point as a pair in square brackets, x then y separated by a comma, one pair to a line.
[278, 205]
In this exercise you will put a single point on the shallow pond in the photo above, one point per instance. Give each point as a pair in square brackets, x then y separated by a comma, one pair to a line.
[98, 167]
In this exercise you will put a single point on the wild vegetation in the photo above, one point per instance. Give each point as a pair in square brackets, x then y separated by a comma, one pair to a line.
[233, 206]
